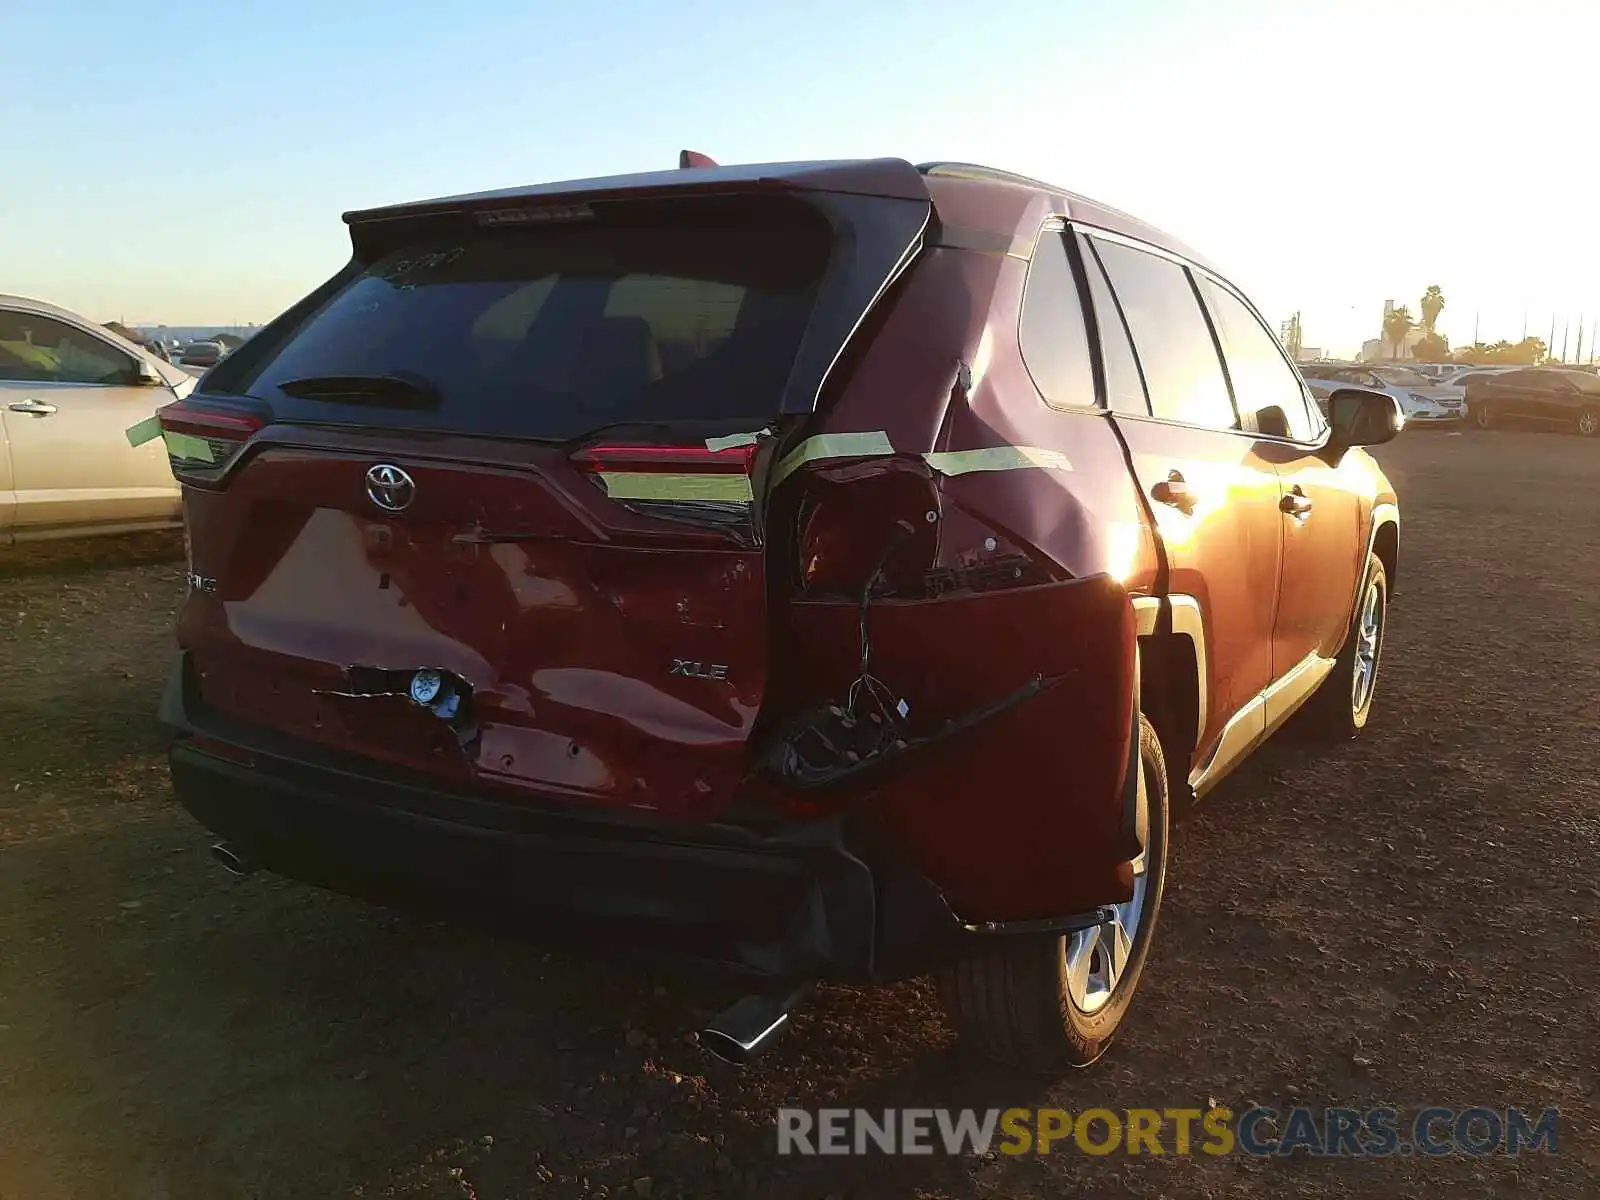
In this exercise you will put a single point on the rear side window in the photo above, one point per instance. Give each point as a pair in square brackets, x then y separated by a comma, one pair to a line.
[1181, 369]
[1124, 385]
[1054, 343]
[688, 311]
[1262, 377]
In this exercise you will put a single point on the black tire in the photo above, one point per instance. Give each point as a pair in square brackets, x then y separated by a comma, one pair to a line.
[1588, 422]
[1335, 713]
[1013, 1002]
[1482, 416]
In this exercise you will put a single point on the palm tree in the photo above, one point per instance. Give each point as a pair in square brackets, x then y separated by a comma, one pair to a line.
[1397, 323]
[1432, 306]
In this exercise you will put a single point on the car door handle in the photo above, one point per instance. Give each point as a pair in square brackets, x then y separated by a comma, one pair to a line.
[1174, 490]
[1295, 503]
[34, 408]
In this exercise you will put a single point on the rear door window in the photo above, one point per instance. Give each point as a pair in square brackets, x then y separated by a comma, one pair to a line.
[1182, 371]
[688, 312]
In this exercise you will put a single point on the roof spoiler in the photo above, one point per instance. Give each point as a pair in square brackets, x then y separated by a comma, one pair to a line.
[888, 178]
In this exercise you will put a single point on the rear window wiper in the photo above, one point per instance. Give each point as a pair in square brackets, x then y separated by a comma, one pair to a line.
[400, 389]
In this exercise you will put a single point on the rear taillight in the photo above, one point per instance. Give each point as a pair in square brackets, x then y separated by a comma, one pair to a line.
[670, 472]
[850, 537]
[693, 484]
[203, 439]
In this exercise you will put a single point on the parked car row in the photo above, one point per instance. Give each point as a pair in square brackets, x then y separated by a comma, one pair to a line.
[1423, 401]
[1450, 394]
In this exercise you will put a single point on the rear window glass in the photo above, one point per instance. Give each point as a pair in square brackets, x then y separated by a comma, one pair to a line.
[692, 311]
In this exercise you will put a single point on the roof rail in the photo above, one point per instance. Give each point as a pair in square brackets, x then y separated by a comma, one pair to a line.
[961, 170]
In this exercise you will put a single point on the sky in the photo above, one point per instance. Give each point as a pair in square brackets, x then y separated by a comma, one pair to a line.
[187, 163]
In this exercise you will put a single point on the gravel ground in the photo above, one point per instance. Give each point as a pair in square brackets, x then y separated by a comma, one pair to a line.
[1410, 920]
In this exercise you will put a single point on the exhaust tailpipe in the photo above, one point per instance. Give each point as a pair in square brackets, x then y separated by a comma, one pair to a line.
[743, 1030]
[231, 860]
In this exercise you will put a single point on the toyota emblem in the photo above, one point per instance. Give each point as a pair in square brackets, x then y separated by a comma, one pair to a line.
[390, 488]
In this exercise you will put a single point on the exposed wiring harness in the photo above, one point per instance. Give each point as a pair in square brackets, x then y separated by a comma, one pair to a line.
[831, 741]
[866, 682]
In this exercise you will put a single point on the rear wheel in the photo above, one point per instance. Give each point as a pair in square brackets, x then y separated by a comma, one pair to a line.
[1057, 1002]
[1589, 421]
[1482, 418]
[1340, 707]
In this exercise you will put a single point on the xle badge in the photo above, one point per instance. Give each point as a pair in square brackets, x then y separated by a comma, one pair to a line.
[699, 670]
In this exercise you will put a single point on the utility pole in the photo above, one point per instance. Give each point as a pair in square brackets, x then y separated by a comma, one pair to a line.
[1564, 331]
[1577, 355]
[1476, 313]
[1550, 346]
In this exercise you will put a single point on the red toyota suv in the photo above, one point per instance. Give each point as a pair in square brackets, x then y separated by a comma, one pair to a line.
[833, 570]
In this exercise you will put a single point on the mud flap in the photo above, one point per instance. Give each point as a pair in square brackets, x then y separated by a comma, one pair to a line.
[1022, 815]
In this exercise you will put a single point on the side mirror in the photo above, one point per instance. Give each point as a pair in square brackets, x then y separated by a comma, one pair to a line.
[1362, 418]
[144, 375]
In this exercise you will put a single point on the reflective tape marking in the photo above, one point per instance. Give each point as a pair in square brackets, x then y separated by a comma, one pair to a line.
[833, 445]
[185, 445]
[147, 430]
[997, 458]
[732, 440]
[657, 485]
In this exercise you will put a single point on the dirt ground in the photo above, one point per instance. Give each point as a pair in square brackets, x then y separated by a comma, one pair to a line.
[1407, 921]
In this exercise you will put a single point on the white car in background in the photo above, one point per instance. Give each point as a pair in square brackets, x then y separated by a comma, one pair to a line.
[1455, 384]
[1459, 371]
[69, 392]
[1423, 401]
[1436, 371]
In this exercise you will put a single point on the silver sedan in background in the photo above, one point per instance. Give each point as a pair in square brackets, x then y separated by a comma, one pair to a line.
[69, 391]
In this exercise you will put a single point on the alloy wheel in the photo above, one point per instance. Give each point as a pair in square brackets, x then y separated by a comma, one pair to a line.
[1589, 422]
[1097, 958]
[1369, 641]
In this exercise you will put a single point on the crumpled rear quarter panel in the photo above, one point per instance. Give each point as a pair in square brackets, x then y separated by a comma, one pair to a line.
[1019, 816]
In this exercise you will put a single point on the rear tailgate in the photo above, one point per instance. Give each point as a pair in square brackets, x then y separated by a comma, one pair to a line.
[514, 454]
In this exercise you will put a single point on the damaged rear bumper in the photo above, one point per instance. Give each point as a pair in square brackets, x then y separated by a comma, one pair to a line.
[812, 900]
